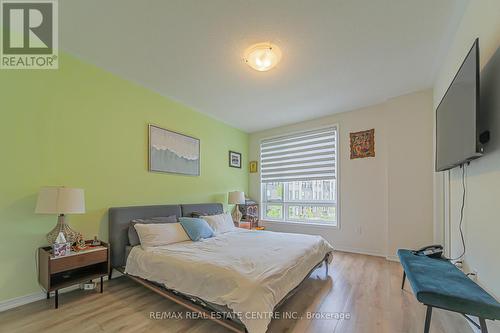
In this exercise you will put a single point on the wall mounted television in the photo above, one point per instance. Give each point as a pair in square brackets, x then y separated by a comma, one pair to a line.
[457, 117]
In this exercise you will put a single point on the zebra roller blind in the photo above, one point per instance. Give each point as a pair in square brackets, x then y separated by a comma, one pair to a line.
[297, 157]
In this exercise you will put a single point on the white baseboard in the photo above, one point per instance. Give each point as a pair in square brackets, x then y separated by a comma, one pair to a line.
[359, 251]
[18, 301]
[369, 253]
[26, 299]
[392, 258]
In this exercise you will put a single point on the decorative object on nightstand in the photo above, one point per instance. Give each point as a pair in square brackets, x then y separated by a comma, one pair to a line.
[61, 247]
[96, 242]
[236, 198]
[80, 243]
[245, 225]
[61, 200]
[250, 226]
[250, 211]
[55, 273]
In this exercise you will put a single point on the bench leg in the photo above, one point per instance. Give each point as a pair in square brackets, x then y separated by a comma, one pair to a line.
[484, 328]
[404, 277]
[428, 316]
[326, 268]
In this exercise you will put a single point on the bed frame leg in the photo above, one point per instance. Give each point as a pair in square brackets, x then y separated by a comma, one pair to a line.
[326, 268]
[403, 283]
[428, 316]
[482, 323]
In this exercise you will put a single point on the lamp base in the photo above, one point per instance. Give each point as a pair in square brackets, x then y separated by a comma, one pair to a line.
[61, 226]
[236, 214]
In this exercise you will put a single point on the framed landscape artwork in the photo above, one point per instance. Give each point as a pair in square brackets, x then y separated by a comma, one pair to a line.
[173, 152]
[363, 144]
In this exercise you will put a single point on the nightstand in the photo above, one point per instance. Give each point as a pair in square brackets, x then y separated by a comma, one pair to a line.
[249, 225]
[74, 268]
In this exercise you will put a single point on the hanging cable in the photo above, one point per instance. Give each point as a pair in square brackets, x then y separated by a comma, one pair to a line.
[462, 213]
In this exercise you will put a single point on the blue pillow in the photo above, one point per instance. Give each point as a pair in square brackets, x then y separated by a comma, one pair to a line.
[196, 228]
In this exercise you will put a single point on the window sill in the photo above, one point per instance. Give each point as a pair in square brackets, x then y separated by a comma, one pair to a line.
[304, 224]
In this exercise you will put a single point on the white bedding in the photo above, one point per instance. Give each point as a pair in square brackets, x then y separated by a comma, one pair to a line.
[247, 271]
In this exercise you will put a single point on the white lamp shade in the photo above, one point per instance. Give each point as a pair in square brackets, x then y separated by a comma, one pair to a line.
[236, 198]
[60, 200]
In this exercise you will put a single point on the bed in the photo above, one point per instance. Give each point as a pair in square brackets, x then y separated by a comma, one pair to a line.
[237, 279]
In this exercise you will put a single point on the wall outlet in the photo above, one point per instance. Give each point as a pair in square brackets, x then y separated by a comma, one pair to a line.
[459, 264]
[88, 286]
[358, 229]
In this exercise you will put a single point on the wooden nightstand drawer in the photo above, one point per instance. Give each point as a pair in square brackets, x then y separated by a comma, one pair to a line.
[76, 261]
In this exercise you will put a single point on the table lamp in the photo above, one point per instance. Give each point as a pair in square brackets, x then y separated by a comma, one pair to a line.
[61, 200]
[236, 198]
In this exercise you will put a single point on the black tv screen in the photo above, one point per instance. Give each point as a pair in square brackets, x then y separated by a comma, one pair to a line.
[457, 122]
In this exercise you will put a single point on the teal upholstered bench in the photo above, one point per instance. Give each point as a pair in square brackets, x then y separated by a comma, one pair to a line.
[438, 283]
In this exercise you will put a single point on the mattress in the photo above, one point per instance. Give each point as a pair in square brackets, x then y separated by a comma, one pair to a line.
[247, 271]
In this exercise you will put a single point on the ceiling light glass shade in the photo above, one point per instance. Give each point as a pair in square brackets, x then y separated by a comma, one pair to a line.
[262, 56]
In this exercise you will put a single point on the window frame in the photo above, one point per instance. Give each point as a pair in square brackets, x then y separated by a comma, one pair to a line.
[285, 204]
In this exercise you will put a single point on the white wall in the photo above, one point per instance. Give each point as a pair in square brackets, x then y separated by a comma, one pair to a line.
[482, 216]
[409, 169]
[386, 201]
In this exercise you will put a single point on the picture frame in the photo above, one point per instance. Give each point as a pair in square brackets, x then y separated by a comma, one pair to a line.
[252, 167]
[234, 159]
[362, 144]
[173, 152]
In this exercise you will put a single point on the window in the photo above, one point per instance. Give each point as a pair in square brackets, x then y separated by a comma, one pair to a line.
[298, 177]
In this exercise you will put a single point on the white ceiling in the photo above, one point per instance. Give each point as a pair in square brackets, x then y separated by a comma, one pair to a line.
[338, 55]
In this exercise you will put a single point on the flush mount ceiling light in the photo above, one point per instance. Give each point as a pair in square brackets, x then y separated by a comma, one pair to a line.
[262, 56]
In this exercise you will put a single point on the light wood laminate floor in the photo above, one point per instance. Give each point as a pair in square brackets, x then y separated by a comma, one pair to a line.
[366, 287]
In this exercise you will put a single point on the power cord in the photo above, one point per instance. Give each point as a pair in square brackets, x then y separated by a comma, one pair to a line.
[463, 166]
[36, 261]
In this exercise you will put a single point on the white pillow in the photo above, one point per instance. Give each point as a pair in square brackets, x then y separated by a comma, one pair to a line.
[157, 234]
[220, 223]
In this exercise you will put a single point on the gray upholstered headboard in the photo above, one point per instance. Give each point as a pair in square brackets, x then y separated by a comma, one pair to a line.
[120, 217]
[203, 209]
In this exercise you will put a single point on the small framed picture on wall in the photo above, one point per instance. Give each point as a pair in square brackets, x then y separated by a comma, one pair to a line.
[253, 167]
[234, 159]
[362, 144]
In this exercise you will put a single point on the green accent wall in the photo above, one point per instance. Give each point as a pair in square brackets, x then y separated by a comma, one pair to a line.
[81, 126]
